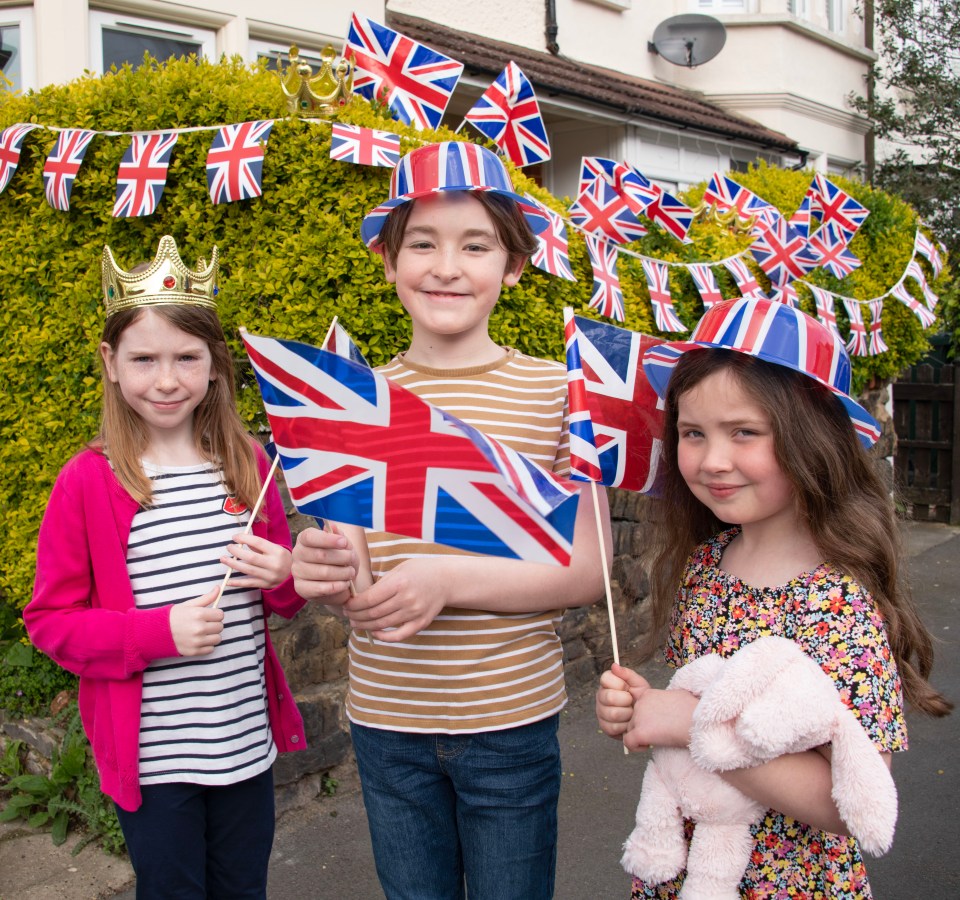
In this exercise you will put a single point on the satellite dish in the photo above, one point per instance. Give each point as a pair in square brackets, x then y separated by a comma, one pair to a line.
[689, 40]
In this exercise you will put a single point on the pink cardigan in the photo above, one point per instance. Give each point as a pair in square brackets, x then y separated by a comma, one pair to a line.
[83, 616]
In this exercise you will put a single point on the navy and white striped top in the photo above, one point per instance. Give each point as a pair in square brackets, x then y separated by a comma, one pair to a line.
[203, 719]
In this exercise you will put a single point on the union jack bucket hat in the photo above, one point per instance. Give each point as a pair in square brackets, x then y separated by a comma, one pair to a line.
[774, 332]
[448, 166]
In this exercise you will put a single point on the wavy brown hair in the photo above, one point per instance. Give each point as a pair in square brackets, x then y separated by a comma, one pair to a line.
[218, 431]
[840, 498]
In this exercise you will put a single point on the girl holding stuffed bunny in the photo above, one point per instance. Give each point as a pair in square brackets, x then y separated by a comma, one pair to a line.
[181, 693]
[774, 522]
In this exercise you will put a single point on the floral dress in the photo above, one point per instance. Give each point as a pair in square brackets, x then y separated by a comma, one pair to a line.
[836, 623]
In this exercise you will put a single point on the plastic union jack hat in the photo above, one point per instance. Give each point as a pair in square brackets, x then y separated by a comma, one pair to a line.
[448, 166]
[774, 332]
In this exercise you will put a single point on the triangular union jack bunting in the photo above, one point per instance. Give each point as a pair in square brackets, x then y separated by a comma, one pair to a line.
[877, 343]
[607, 298]
[706, 284]
[857, 344]
[414, 81]
[364, 146]
[619, 414]
[658, 283]
[509, 115]
[142, 174]
[62, 165]
[235, 161]
[748, 286]
[11, 140]
[823, 300]
[356, 447]
[553, 250]
[914, 271]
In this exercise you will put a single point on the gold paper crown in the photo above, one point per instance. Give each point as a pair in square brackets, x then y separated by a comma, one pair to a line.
[321, 94]
[165, 281]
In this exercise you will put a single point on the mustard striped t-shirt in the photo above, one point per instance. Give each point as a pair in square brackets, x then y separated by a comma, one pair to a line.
[470, 671]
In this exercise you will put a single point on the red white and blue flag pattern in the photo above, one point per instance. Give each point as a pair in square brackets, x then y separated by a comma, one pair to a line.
[835, 256]
[602, 210]
[823, 300]
[63, 163]
[725, 193]
[928, 249]
[783, 253]
[706, 283]
[358, 448]
[142, 174]
[670, 214]
[923, 313]
[235, 161]
[857, 344]
[364, 146]
[658, 284]
[831, 204]
[915, 271]
[616, 419]
[414, 81]
[553, 249]
[509, 115]
[339, 341]
[877, 343]
[11, 140]
[607, 297]
[748, 286]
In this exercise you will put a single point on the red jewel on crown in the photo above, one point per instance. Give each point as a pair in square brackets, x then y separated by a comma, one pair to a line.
[169, 281]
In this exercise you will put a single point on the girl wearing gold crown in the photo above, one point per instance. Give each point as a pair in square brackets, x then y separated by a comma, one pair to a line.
[181, 693]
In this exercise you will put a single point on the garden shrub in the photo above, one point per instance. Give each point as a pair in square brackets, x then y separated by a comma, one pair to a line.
[290, 260]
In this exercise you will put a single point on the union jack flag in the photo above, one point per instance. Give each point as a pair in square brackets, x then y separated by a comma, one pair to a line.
[925, 315]
[142, 174]
[658, 283]
[830, 204]
[823, 300]
[364, 146]
[340, 343]
[877, 343]
[594, 167]
[62, 165]
[725, 193]
[620, 415]
[915, 272]
[235, 161]
[553, 249]
[706, 283]
[413, 80]
[670, 214]
[358, 448]
[11, 140]
[835, 256]
[787, 293]
[748, 286]
[857, 345]
[603, 211]
[607, 298]
[800, 220]
[635, 188]
[508, 114]
[783, 253]
[924, 246]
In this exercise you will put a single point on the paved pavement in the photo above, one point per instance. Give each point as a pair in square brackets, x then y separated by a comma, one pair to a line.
[323, 850]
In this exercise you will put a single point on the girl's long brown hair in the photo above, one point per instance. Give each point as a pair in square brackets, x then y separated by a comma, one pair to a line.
[840, 496]
[218, 431]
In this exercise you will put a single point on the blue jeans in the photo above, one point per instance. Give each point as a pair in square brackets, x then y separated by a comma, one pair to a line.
[194, 841]
[450, 812]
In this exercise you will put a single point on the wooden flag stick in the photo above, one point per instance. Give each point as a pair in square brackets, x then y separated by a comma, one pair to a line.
[253, 516]
[606, 580]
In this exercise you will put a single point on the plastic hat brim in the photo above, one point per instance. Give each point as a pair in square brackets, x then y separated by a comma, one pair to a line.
[373, 222]
[660, 360]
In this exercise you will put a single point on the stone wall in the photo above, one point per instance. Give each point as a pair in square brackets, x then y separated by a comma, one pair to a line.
[312, 648]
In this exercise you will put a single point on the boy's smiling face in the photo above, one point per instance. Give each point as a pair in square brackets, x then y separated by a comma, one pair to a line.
[450, 268]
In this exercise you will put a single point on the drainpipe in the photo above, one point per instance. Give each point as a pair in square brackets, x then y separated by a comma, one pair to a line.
[869, 139]
[551, 16]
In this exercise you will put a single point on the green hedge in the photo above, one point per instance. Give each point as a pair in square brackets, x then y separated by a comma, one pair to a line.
[290, 260]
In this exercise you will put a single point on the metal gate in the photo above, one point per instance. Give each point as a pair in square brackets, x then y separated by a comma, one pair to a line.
[926, 416]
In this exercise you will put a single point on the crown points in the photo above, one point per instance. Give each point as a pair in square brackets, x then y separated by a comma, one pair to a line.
[321, 94]
[164, 281]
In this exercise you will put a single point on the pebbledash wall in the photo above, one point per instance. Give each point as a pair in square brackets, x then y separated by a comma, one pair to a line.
[312, 646]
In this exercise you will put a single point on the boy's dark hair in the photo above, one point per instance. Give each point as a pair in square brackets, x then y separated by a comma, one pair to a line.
[511, 226]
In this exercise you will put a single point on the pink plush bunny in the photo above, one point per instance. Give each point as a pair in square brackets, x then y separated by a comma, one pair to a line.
[766, 700]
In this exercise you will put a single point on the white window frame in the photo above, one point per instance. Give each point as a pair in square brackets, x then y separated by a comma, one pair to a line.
[722, 6]
[205, 37]
[22, 18]
[257, 47]
[836, 12]
[800, 8]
